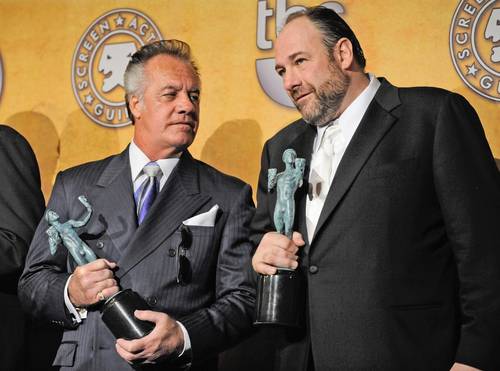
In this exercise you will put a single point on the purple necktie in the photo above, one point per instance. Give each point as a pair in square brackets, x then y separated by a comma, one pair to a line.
[147, 191]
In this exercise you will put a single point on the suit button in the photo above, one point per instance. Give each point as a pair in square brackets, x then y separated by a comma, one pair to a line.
[99, 244]
[171, 252]
[152, 300]
[313, 269]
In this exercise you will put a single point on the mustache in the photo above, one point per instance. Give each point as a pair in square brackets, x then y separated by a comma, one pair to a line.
[298, 93]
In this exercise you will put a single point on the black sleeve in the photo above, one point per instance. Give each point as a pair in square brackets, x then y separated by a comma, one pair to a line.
[21, 202]
[468, 188]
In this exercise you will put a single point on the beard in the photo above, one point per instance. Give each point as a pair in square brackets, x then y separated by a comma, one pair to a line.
[327, 98]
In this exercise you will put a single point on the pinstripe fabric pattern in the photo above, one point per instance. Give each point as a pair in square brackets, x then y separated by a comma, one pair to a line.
[216, 306]
[146, 193]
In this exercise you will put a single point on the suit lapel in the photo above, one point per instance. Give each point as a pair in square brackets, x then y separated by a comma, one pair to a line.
[303, 145]
[375, 124]
[179, 199]
[114, 187]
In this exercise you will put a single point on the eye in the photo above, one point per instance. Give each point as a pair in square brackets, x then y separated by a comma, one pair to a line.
[169, 95]
[299, 61]
[280, 71]
[194, 96]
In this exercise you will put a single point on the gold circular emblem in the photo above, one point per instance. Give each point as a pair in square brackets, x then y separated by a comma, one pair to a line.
[475, 46]
[100, 59]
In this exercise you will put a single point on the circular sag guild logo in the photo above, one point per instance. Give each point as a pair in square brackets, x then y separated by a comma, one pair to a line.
[475, 46]
[100, 59]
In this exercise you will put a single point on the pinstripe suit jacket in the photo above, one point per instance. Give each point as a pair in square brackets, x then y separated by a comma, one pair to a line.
[215, 307]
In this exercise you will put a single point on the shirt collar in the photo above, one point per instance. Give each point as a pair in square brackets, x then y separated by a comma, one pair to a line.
[138, 160]
[349, 119]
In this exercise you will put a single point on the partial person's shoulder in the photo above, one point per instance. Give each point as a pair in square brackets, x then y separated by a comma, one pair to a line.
[89, 171]
[10, 135]
[288, 134]
[428, 95]
[211, 175]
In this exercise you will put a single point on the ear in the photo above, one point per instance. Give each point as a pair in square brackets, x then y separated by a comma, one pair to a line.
[135, 106]
[343, 53]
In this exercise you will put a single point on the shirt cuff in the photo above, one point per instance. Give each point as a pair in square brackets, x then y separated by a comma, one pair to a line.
[187, 340]
[78, 314]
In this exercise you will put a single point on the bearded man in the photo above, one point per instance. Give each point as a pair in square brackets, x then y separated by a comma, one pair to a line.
[397, 231]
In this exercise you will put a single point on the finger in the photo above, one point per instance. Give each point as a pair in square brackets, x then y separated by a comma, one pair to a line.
[274, 239]
[265, 269]
[109, 292]
[286, 244]
[134, 347]
[98, 265]
[267, 260]
[298, 239]
[278, 252]
[101, 275]
[128, 356]
[111, 265]
[285, 263]
[281, 259]
[149, 315]
[101, 286]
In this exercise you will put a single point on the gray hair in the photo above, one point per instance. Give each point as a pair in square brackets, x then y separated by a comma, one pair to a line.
[134, 78]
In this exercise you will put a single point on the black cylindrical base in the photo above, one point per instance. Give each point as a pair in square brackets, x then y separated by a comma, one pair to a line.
[118, 314]
[280, 299]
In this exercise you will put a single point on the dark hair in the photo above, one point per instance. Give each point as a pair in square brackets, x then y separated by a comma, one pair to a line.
[333, 27]
[134, 74]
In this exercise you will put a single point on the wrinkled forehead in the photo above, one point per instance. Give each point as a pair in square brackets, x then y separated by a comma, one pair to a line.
[172, 70]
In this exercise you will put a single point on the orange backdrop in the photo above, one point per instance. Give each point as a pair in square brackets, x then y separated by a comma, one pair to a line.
[409, 42]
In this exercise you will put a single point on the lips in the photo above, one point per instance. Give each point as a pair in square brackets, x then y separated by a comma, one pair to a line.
[191, 124]
[298, 95]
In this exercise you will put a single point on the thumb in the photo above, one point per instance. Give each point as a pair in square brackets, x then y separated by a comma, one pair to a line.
[111, 265]
[297, 239]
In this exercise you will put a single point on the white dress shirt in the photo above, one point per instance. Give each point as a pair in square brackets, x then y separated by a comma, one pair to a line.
[348, 121]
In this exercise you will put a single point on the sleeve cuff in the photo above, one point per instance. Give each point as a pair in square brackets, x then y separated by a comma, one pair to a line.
[80, 314]
[187, 341]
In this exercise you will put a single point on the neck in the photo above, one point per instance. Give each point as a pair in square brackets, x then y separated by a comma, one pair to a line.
[359, 82]
[155, 154]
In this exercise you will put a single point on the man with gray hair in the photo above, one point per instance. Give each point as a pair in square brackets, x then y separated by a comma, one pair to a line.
[170, 227]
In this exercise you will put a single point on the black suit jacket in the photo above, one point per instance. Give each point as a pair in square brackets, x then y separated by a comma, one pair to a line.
[21, 206]
[216, 306]
[407, 251]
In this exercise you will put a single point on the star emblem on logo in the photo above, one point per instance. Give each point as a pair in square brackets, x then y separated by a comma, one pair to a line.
[119, 20]
[472, 69]
[89, 99]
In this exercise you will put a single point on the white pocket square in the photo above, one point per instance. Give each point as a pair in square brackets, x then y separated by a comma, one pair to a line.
[203, 220]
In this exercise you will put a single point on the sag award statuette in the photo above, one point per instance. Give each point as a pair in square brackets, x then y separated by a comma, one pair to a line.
[280, 297]
[117, 311]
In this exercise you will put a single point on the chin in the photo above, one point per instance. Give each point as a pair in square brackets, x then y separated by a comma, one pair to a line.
[182, 145]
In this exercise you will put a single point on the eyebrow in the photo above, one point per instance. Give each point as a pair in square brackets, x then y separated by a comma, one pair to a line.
[178, 87]
[170, 87]
[290, 57]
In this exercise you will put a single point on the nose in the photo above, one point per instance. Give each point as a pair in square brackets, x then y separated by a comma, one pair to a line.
[291, 80]
[185, 104]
